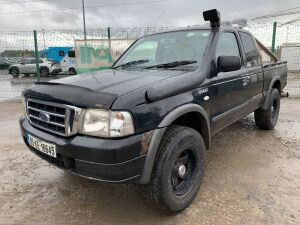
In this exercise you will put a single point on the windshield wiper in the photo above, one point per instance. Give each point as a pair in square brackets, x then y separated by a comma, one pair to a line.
[172, 64]
[135, 62]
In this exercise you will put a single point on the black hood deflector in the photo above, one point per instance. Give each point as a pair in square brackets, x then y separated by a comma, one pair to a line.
[70, 95]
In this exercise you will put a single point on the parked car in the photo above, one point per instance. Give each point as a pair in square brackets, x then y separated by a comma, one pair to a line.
[65, 56]
[28, 66]
[4, 63]
[151, 117]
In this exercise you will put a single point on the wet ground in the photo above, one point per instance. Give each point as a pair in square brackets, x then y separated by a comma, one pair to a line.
[252, 177]
[11, 88]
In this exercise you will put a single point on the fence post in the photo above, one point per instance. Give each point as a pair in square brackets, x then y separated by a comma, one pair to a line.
[274, 36]
[109, 37]
[109, 45]
[37, 66]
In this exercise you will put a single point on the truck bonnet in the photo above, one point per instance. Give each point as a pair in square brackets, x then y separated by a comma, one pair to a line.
[97, 89]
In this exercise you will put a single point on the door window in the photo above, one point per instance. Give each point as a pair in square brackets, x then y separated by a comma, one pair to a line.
[227, 45]
[61, 53]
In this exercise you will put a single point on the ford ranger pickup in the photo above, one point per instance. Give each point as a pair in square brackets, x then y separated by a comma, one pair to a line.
[150, 118]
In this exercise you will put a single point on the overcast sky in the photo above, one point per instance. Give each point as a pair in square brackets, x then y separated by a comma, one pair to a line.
[165, 13]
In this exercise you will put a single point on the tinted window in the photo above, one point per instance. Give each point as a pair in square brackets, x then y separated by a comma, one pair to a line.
[252, 57]
[26, 61]
[41, 61]
[61, 53]
[227, 45]
[71, 54]
[33, 61]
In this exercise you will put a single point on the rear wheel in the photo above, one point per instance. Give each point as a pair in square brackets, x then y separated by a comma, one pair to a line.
[72, 71]
[178, 171]
[44, 72]
[267, 118]
[14, 72]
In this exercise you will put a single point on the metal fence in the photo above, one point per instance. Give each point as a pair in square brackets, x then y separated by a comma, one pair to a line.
[104, 45]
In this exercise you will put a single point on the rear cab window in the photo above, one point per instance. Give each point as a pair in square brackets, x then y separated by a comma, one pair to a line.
[252, 56]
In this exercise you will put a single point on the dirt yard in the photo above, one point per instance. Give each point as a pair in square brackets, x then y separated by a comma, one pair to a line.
[252, 177]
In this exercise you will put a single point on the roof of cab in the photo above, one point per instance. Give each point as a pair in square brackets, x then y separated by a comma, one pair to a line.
[199, 27]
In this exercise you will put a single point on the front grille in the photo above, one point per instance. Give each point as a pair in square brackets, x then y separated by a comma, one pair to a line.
[53, 117]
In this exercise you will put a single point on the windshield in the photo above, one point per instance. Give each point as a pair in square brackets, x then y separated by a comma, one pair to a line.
[184, 48]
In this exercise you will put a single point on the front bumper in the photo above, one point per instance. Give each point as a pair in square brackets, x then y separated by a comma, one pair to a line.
[118, 160]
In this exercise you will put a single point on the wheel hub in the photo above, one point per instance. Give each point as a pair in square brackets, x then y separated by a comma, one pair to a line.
[181, 171]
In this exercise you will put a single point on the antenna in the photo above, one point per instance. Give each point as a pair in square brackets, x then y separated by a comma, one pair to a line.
[213, 16]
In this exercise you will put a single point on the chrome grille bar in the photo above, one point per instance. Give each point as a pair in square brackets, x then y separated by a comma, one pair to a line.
[56, 124]
[54, 114]
[53, 117]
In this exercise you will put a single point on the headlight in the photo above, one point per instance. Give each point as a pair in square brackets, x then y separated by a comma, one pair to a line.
[104, 123]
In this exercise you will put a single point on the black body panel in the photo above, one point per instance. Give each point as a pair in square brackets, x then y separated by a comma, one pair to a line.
[101, 159]
[70, 95]
[152, 96]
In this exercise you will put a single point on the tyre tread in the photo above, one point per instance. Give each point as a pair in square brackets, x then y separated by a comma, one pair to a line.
[263, 117]
[152, 193]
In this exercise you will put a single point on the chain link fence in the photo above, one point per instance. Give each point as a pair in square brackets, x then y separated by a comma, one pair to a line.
[103, 46]
[65, 47]
[287, 48]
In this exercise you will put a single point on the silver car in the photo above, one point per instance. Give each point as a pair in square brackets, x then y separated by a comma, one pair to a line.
[28, 66]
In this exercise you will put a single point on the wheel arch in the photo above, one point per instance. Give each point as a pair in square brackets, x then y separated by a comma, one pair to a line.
[44, 67]
[190, 115]
[14, 67]
[72, 68]
[176, 117]
[275, 83]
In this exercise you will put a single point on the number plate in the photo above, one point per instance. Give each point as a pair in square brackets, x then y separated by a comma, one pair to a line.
[42, 146]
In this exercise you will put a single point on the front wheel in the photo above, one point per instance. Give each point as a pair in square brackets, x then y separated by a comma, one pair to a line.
[267, 118]
[178, 171]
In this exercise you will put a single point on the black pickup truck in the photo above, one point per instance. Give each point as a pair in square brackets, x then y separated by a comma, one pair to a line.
[150, 118]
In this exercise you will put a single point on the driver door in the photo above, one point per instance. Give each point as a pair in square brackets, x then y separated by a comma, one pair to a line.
[228, 90]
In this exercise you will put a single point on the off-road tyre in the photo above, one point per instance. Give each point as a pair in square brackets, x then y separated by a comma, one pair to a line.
[267, 118]
[178, 145]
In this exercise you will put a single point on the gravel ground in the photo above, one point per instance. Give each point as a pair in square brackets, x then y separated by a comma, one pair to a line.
[252, 177]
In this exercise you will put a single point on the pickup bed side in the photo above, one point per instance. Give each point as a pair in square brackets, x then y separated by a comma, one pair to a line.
[275, 76]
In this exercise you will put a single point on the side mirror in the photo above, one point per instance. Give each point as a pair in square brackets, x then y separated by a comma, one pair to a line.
[229, 63]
